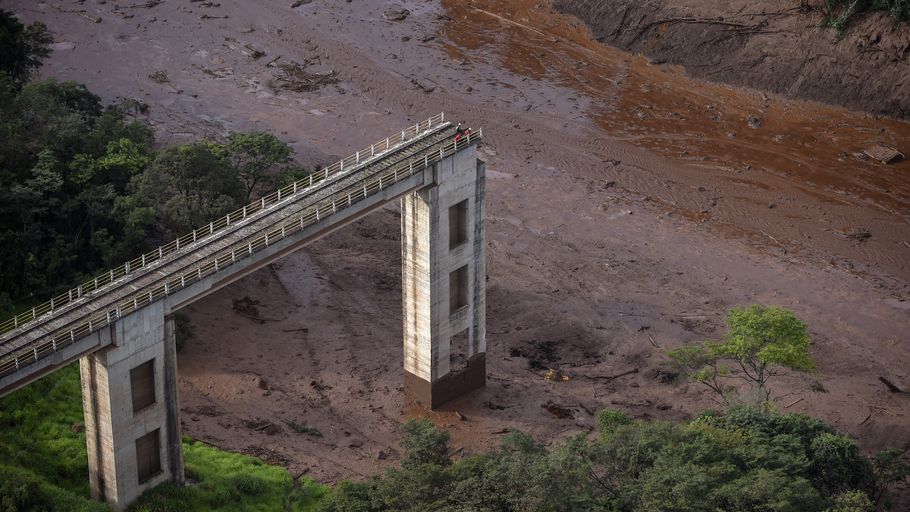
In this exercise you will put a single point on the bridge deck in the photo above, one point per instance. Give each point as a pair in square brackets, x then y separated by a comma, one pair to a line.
[279, 215]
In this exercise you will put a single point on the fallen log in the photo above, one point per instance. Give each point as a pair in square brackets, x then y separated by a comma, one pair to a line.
[891, 386]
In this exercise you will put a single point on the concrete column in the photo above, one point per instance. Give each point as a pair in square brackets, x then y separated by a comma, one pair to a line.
[443, 276]
[118, 432]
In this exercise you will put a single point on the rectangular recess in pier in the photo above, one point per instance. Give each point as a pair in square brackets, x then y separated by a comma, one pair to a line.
[148, 456]
[142, 385]
[458, 289]
[458, 224]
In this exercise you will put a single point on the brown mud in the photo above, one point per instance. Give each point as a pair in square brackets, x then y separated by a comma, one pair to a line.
[782, 46]
[628, 207]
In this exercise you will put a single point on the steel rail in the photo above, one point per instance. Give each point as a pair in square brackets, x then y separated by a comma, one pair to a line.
[325, 208]
[103, 281]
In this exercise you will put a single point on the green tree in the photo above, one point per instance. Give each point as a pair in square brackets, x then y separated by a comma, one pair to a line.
[24, 47]
[253, 155]
[188, 186]
[890, 469]
[760, 342]
[65, 163]
[851, 501]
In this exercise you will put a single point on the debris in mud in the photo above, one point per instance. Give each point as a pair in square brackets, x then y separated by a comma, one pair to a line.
[884, 153]
[556, 375]
[159, 76]
[146, 5]
[247, 307]
[267, 455]
[303, 429]
[296, 78]
[858, 234]
[537, 353]
[260, 425]
[396, 14]
[254, 53]
[754, 122]
[890, 385]
[319, 386]
[423, 85]
[662, 375]
[298, 3]
[560, 411]
[81, 13]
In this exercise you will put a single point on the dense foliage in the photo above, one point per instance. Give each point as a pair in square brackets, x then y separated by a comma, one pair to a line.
[744, 460]
[83, 187]
[23, 47]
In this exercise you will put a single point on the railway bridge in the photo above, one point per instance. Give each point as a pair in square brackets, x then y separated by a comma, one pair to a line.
[119, 324]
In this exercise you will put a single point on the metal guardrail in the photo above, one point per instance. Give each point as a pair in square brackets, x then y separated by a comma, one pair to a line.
[102, 281]
[27, 355]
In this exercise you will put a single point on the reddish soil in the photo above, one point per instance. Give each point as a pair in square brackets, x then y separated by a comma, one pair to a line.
[783, 46]
[628, 208]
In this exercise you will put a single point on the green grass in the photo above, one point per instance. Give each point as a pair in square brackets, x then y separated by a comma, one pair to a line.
[219, 480]
[44, 466]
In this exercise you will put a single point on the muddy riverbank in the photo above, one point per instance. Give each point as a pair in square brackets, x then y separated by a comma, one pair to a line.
[774, 46]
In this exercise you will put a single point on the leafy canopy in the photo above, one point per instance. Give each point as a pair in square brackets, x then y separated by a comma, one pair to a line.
[759, 342]
[24, 47]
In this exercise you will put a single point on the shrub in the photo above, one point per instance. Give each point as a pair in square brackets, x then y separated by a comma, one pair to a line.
[424, 444]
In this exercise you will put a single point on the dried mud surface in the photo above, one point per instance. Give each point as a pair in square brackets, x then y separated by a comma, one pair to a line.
[628, 208]
[772, 45]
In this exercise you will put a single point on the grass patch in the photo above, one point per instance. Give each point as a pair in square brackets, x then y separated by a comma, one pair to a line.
[41, 431]
[44, 466]
[219, 480]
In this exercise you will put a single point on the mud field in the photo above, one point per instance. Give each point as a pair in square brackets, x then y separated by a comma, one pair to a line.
[628, 207]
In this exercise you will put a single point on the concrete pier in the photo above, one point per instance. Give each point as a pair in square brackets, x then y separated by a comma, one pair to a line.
[443, 282]
[129, 395]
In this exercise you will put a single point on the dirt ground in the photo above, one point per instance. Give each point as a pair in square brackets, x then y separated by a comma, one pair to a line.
[781, 46]
[628, 208]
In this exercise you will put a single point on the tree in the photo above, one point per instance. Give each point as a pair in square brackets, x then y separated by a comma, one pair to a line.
[890, 468]
[65, 163]
[253, 154]
[24, 47]
[188, 186]
[760, 342]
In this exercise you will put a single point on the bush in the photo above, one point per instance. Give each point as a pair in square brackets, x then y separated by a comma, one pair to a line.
[20, 490]
[609, 420]
[424, 444]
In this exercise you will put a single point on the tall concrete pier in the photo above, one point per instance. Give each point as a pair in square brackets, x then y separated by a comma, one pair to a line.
[119, 324]
[443, 283]
[129, 398]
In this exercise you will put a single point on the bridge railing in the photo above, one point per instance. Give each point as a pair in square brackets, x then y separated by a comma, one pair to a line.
[253, 244]
[103, 280]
